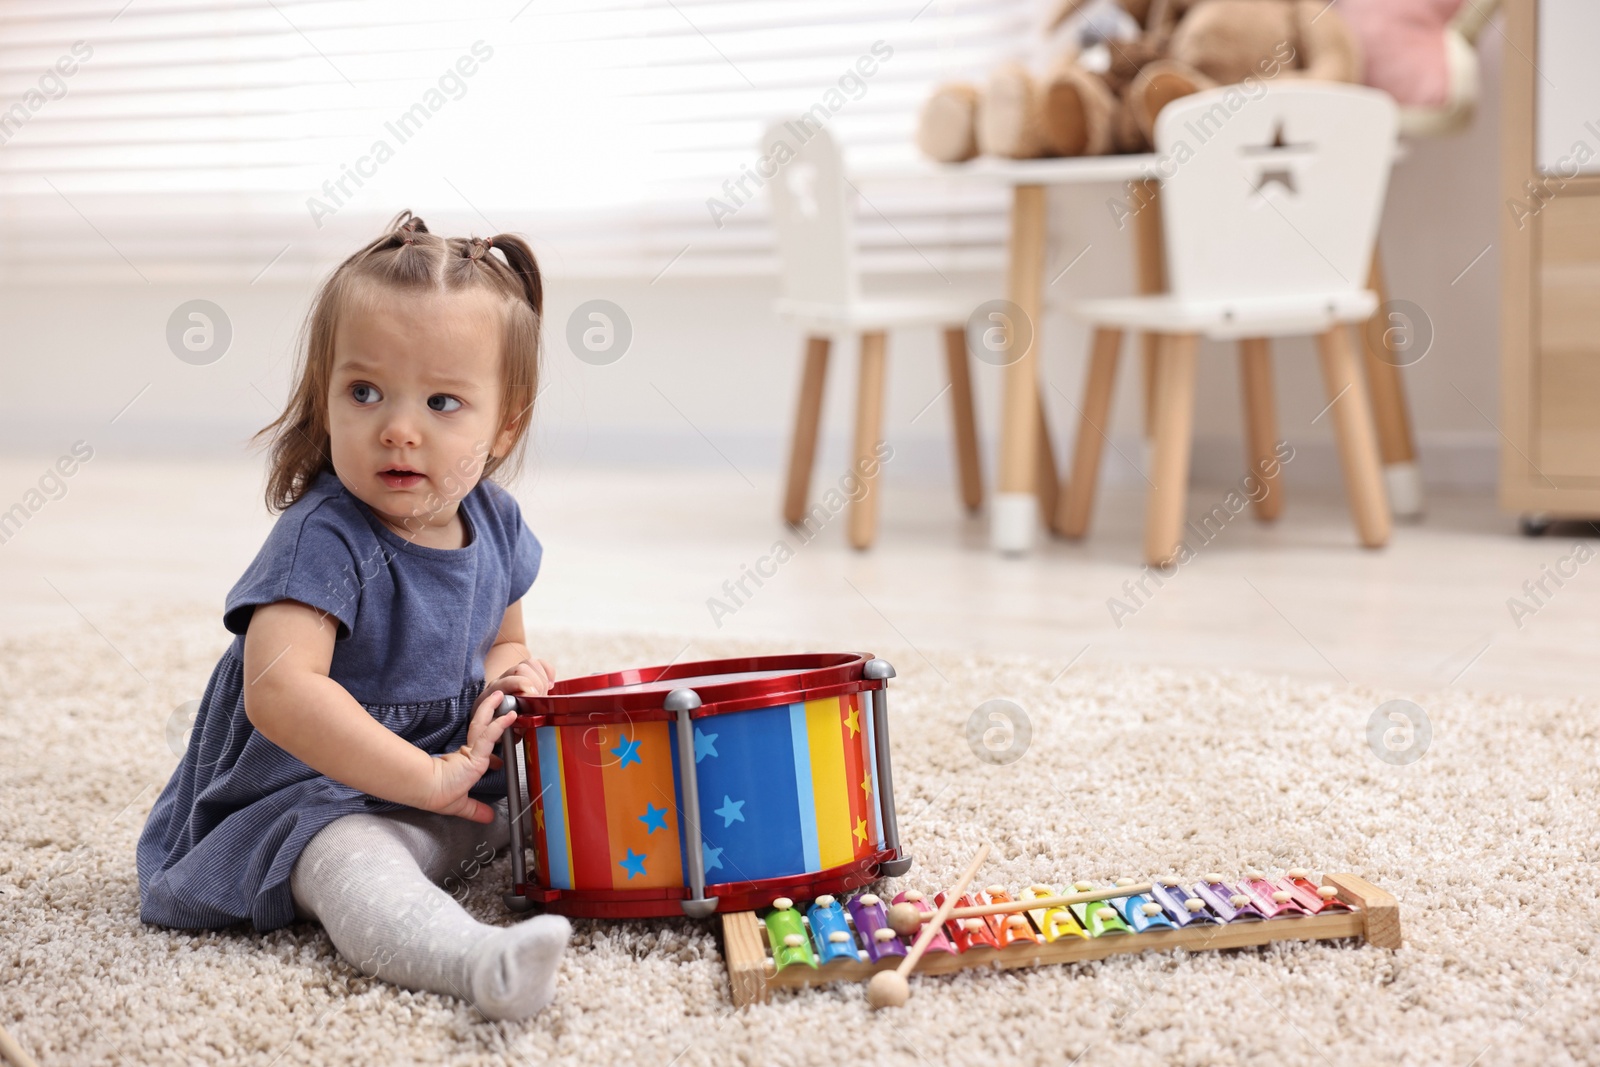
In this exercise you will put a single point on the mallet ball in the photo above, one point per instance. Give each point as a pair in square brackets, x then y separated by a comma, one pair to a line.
[906, 919]
[888, 989]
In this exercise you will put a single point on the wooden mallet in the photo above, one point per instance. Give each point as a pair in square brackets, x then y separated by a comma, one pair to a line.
[890, 989]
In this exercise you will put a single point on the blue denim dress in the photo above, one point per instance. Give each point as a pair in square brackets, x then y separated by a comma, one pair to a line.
[414, 625]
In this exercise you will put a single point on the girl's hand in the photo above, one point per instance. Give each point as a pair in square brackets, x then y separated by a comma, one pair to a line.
[530, 678]
[456, 772]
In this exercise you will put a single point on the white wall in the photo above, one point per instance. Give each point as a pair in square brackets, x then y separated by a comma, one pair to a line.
[72, 358]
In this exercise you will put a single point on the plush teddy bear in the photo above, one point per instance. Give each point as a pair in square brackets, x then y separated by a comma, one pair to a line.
[1106, 98]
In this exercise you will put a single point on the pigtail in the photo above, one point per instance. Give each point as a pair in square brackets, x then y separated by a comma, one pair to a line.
[520, 258]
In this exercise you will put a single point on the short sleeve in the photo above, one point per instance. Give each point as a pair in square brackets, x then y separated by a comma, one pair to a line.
[310, 557]
[526, 552]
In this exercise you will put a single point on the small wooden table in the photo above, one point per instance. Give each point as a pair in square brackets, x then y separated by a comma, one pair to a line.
[1027, 483]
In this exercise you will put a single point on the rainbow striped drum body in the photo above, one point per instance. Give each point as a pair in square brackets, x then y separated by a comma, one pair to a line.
[776, 766]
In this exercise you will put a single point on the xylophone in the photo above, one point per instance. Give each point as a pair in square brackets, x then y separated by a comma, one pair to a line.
[865, 938]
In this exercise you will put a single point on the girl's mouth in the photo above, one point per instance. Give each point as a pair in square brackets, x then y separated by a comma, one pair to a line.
[399, 479]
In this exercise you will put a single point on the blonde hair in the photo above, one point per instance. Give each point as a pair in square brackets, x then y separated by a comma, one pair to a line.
[408, 259]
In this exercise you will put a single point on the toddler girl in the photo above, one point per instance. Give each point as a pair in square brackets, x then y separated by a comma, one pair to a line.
[341, 761]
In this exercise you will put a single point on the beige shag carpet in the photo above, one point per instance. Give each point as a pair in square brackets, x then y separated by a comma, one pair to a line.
[1489, 840]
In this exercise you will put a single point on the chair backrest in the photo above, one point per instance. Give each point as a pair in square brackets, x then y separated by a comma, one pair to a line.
[811, 211]
[1274, 190]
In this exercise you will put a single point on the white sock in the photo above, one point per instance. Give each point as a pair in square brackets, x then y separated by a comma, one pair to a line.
[369, 879]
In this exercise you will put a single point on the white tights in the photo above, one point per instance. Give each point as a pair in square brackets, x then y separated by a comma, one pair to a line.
[385, 888]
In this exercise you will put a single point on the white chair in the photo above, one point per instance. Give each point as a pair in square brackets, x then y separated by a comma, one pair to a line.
[812, 207]
[1271, 210]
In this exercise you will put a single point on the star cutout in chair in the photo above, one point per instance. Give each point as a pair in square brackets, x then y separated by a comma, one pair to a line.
[861, 831]
[1283, 176]
[713, 858]
[853, 720]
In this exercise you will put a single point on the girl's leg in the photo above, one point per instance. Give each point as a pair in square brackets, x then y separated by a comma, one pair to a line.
[369, 880]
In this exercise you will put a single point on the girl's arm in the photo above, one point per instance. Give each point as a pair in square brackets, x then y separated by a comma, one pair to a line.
[509, 647]
[289, 697]
[510, 658]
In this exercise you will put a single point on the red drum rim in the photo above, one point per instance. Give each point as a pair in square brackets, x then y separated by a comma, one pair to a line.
[666, 901]
[799, 677]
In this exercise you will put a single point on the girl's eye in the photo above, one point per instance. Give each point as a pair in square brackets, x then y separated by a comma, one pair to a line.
[438, 402]
[360, 393]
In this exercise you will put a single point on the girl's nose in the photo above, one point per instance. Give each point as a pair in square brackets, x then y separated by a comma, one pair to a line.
[399, 433]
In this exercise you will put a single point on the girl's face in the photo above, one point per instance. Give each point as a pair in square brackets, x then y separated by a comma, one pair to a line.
[414, 404]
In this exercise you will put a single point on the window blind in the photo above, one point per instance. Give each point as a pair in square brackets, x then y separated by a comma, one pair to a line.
[165, 140]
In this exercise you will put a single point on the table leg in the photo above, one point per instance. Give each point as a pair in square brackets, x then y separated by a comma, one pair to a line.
[1016, 506]
[1401, 475]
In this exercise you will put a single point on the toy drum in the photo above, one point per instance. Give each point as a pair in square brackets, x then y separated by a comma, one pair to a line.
[696, 786]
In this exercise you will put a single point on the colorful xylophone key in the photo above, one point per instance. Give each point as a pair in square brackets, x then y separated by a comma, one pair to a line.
[1315, 898]
[1008, 929]
[940, 942]
[786, 932]
[1182, 905]
[1226, 901]
[971, 932]
[1140, 912]
[1052, 923]
[878, 939]
[1099, 917]
[831, 930]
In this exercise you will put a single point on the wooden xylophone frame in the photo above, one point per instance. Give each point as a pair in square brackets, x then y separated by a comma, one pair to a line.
[754, 976]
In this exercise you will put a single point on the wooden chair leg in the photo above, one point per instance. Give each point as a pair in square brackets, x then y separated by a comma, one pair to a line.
[1077, 496]
[1047, 484]
[1150, 263]
[1396, 445]
[1357, 440]
[1174, 428]
[1261, 425]
[869, 431]
[966, 423]
[803, 450]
